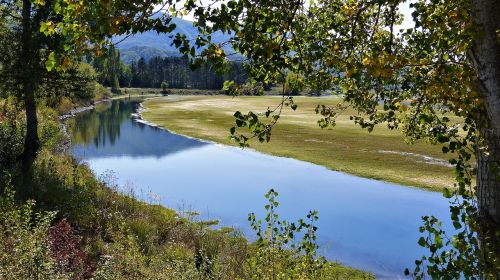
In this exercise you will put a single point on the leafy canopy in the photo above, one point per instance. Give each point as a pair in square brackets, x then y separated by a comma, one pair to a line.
[419, 80]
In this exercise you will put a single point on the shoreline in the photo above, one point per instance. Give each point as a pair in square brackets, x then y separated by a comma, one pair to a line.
[140, 119]
[82, 109]
[417, 183]
[137, 116]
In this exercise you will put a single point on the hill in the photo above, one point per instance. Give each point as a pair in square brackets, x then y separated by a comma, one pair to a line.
[150, 44]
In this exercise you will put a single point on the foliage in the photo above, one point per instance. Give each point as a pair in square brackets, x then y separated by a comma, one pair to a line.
[24, 243]
[276, 250]
[251, 89]
[7, 53]
[176, 71]
[11, 135]
[164, 86]
[112, 72]
[412, 80]
[293, 84]
[287, 250]
[12, 130]
[66, 250]
[77, 85]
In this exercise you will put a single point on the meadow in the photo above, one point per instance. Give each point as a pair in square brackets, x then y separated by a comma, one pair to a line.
[382, 154]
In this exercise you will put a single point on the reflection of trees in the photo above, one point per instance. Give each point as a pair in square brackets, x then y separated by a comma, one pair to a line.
[102, 125]
[113, 133]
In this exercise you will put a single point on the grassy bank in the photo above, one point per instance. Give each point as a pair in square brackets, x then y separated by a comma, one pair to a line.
[80, 226]
[381, 154]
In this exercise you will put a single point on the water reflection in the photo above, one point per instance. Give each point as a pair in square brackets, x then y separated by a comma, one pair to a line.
[97, 133]
[363, 223]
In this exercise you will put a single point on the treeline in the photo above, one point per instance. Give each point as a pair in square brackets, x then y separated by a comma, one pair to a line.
[175, 72]
[112, 72]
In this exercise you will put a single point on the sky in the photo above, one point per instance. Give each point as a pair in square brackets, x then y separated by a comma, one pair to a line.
[408, 21]
[404, 8]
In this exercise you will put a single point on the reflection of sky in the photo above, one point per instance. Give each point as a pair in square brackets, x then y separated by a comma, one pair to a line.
[138, 140]
[364, 223]
[368, 224]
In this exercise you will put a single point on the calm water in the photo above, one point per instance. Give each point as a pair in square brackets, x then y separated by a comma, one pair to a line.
[363, 223]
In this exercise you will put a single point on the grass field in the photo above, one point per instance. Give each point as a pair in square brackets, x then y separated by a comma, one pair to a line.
[382, 154]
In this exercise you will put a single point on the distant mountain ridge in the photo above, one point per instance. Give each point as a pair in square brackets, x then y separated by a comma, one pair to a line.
[151, 44]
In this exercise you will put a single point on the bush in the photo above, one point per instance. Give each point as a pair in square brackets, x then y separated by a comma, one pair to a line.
[250, 89]
[101, 92]
[24, 243]
[66, 251]
[64, 106]
[12, 129]
[293, 84]
[116, 90]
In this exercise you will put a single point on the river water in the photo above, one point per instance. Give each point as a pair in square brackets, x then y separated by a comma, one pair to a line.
[368, 224]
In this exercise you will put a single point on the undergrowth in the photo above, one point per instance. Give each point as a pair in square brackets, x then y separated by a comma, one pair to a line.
[74, 225]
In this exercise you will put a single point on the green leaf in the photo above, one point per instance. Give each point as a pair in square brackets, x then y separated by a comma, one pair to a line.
[421, 242]
[51, 62]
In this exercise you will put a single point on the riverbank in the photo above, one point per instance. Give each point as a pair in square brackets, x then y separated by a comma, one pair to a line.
[381, 155]
[114, 233]
[224, 235]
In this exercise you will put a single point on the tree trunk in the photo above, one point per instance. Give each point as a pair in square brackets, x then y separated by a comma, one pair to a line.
[31, 143]
[488, 195]
[486, 58]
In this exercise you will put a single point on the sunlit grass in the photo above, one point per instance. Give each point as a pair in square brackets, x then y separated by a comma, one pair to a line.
[382, 154]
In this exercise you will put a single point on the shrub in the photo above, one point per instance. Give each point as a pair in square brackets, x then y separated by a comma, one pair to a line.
[293, 84]
[164, 86]
[66, 251]
[252, 89]
[24, 243]
[101, 92]
[64, 106]
[12, 130]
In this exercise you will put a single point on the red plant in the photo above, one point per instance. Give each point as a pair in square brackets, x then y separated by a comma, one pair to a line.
[67, 251]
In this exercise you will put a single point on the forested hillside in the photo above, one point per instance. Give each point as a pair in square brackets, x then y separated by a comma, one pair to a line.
[150, 44]
[173, 72]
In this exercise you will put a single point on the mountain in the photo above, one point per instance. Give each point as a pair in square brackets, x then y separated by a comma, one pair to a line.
[150, 44]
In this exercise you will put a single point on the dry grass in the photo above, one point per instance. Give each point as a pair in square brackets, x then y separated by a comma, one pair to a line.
[382, 154]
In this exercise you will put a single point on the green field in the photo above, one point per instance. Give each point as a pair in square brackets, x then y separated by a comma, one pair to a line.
[382, 154]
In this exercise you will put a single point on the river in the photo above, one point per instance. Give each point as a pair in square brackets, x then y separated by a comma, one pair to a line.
[363, 223]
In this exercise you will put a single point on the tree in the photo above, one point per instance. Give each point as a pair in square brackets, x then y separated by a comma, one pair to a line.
[164, 86]
[23, 69]
[54, 34]
[29, 80]
[448, 64]
[412, 79]
[177, 73]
